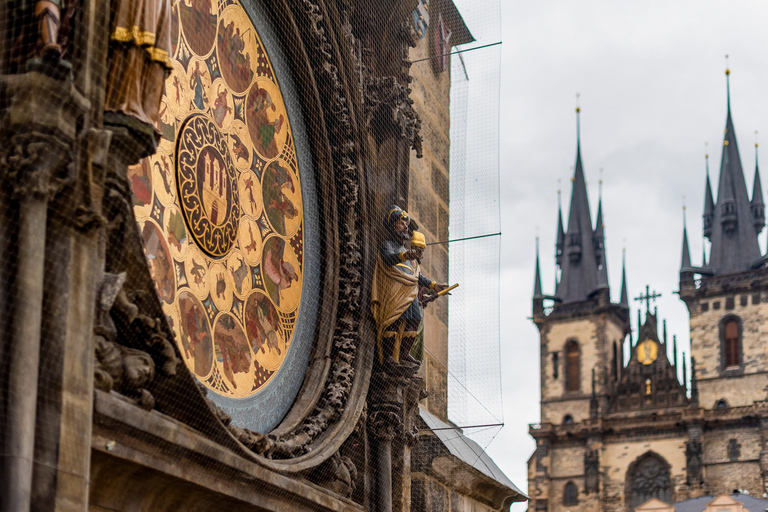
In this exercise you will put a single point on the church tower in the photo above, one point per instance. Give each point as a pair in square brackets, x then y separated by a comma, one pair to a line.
[727, 302]
[581, 336]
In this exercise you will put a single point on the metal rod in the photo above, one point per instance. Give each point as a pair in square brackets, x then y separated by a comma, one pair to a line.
[459, 428]
[463, 239]
[458, 52]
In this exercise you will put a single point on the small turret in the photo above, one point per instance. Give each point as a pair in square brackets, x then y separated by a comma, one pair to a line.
[624, 300]
[709, 204]
[757, 205]
[598, 244]
[538, 296]
[686, 271]
[560, 244]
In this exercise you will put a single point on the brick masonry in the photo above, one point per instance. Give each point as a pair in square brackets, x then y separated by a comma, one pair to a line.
[428, 204]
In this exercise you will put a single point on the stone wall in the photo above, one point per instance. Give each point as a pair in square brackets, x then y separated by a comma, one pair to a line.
[428, 204]
[706, 318]
[724, 473]
[430, 495]
[595, 335]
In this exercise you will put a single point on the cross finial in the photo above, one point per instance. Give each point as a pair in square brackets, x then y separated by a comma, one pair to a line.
[648, 297]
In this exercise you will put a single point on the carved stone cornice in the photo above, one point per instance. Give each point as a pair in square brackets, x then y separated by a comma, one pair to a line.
[39, 122]
[35, 165]
[389, 109]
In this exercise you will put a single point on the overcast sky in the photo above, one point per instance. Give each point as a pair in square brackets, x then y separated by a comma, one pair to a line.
[653, 91]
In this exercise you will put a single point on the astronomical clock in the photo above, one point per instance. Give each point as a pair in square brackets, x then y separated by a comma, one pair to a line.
[222, 210]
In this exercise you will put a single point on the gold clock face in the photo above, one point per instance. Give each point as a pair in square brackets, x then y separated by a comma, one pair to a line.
[647, 351]
[220, 206]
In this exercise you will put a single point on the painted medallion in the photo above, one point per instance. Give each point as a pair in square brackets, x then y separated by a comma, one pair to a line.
[220, 206]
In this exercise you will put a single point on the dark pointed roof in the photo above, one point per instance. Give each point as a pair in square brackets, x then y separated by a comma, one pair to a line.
[599, 243]
[579, 272]
[537, 294]
[560, 244]
[734, 240]
[624, 300]
[757, 203]
[685, 262]
[709, 204]
[757, 187]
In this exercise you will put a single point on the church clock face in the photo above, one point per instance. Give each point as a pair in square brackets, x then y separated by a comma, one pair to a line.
[221, 207]
[647, 351]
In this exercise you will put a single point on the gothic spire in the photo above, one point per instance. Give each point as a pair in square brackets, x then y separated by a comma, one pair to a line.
[624, 300]
[537, 294]
[579, 269]
[709, 204]
[757, 204]
[598, 241]
[734, 240]
[685, 262]
[560, 244]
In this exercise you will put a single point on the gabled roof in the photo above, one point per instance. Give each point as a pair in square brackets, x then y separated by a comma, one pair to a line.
[471, 454]
[749, 503]
[656, 505]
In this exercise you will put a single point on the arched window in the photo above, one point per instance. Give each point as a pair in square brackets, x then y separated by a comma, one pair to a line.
[572, 366]
[648, 477]
[570, 494]
[567, 419]
[732, 352]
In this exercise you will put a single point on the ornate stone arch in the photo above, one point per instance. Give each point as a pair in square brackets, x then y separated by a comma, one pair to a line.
[332, 398]
[648, 477]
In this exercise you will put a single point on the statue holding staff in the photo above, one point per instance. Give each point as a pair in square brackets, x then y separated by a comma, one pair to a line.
[397, 280]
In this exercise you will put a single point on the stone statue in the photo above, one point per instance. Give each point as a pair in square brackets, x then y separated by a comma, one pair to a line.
[41, 35]
[138, 64]
[693, 453]
[395, 293]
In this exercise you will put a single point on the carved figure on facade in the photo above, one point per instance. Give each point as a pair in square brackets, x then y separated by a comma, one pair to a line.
[591, 470]
[138, 64]
[693, 462]
[395, 292]
[41, 36]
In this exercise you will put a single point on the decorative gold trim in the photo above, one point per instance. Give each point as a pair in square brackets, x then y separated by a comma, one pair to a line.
[144, 39]
[135, 34]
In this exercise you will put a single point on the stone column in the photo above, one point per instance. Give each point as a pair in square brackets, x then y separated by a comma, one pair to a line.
[39, 131]
[393, 405]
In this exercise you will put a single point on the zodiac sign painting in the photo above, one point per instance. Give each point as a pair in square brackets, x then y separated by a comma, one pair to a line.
[220, 205]
[195, 335]
[266, 119]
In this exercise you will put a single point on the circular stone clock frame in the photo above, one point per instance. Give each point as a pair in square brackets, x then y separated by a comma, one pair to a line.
[333, 394]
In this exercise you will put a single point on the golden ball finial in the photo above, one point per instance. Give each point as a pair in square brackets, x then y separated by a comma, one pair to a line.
[578, 109]
[727, 71]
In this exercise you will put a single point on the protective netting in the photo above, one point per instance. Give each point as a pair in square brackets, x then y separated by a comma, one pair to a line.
[226, 234]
